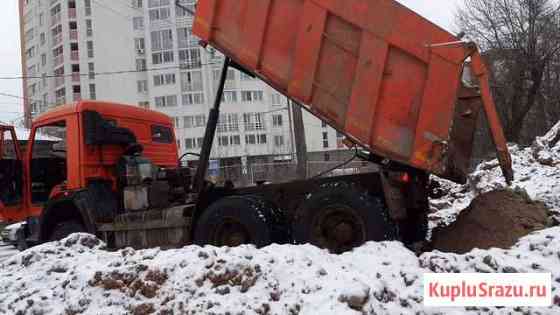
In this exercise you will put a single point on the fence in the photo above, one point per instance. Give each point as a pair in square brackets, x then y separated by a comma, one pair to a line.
[283, 172]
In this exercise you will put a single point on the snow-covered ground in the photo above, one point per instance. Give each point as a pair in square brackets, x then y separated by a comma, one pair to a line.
[77, 276]
[6, 251]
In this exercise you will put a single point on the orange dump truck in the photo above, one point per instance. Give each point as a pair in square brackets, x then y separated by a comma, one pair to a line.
[385, 77]
[390, 80]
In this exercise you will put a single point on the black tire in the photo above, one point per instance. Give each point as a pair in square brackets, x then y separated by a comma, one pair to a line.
[63, 229]
[237, 220]
[21, 243]
[342, 218]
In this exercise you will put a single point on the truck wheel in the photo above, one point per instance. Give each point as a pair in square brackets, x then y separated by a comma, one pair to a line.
[21, 243]
[63, 229]
[340, 219]
[237, 220]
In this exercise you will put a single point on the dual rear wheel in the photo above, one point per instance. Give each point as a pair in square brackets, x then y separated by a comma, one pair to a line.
[338, 219]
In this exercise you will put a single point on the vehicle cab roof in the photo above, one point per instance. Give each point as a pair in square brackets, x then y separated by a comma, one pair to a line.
[105, 109]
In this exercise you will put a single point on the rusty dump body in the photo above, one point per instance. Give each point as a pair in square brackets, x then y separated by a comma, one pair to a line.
[376, 71]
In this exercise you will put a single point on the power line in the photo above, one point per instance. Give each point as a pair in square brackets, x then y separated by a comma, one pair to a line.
[182, 66]
[25, 98]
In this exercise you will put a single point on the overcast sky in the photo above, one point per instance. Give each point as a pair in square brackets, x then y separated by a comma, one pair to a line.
[439, 11]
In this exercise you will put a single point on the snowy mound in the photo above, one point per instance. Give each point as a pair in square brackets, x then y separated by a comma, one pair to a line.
[77, 276]
[537, 172]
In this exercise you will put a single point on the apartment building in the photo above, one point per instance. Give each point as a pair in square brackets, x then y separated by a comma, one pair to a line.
[143, 52]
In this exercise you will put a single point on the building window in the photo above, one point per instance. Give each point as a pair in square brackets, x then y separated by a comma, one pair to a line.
[140, 45]
[200, 120]
[90, 49]
[323, 124]
[193, 99]
[138, 23]
[250, 139]
[91, 70]
[251, 96]
[161, 40]
[190, 58]
[137, 4]
[189, 143]
[43, 60]
[278, 141]
[140, 64]
[142, 86]
[144, 104]
[229, 97]
[277, 120]
[192, 143]
[166, 101]
[89, 28]
[159, 14]
[325, 140]
[164, 79]
[194, 121]
[256, 139]
[191, 81]
[43, 39]
[253, 121]
[228, 123]
[162, 57]
[92, 92]
[235, 140]
[276, 99]
[157, 3]
[87, 5]
[223, 141]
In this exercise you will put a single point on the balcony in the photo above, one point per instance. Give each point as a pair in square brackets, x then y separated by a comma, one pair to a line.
[72, 13]
[55, 19]
[58, 81]
[57, 39]
[77, 97]
[75, 55]
[58, 60]
[73, 34]
[76, 77]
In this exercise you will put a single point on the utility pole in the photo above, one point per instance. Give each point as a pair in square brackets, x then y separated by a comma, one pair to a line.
[299, 138]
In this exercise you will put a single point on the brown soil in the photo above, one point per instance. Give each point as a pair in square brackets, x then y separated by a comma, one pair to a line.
[495, 219]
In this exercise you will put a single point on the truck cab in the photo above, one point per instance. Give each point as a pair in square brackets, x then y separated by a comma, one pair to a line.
[71, 151]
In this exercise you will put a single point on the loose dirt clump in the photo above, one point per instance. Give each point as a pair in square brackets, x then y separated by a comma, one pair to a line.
[494, 219]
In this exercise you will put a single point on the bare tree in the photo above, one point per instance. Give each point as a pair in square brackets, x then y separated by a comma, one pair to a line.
[521, 41]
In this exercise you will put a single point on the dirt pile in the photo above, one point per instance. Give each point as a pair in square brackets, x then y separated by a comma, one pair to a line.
[494, 219]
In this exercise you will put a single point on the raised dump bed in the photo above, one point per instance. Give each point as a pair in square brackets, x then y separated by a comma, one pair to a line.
[376, 71]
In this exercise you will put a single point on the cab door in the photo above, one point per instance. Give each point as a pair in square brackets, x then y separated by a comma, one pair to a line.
[11, 176]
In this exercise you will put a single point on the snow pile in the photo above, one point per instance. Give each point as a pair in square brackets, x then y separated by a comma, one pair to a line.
[77, 276]
[537, 172]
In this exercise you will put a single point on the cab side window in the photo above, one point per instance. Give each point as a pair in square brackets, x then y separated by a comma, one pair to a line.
[162, 134]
